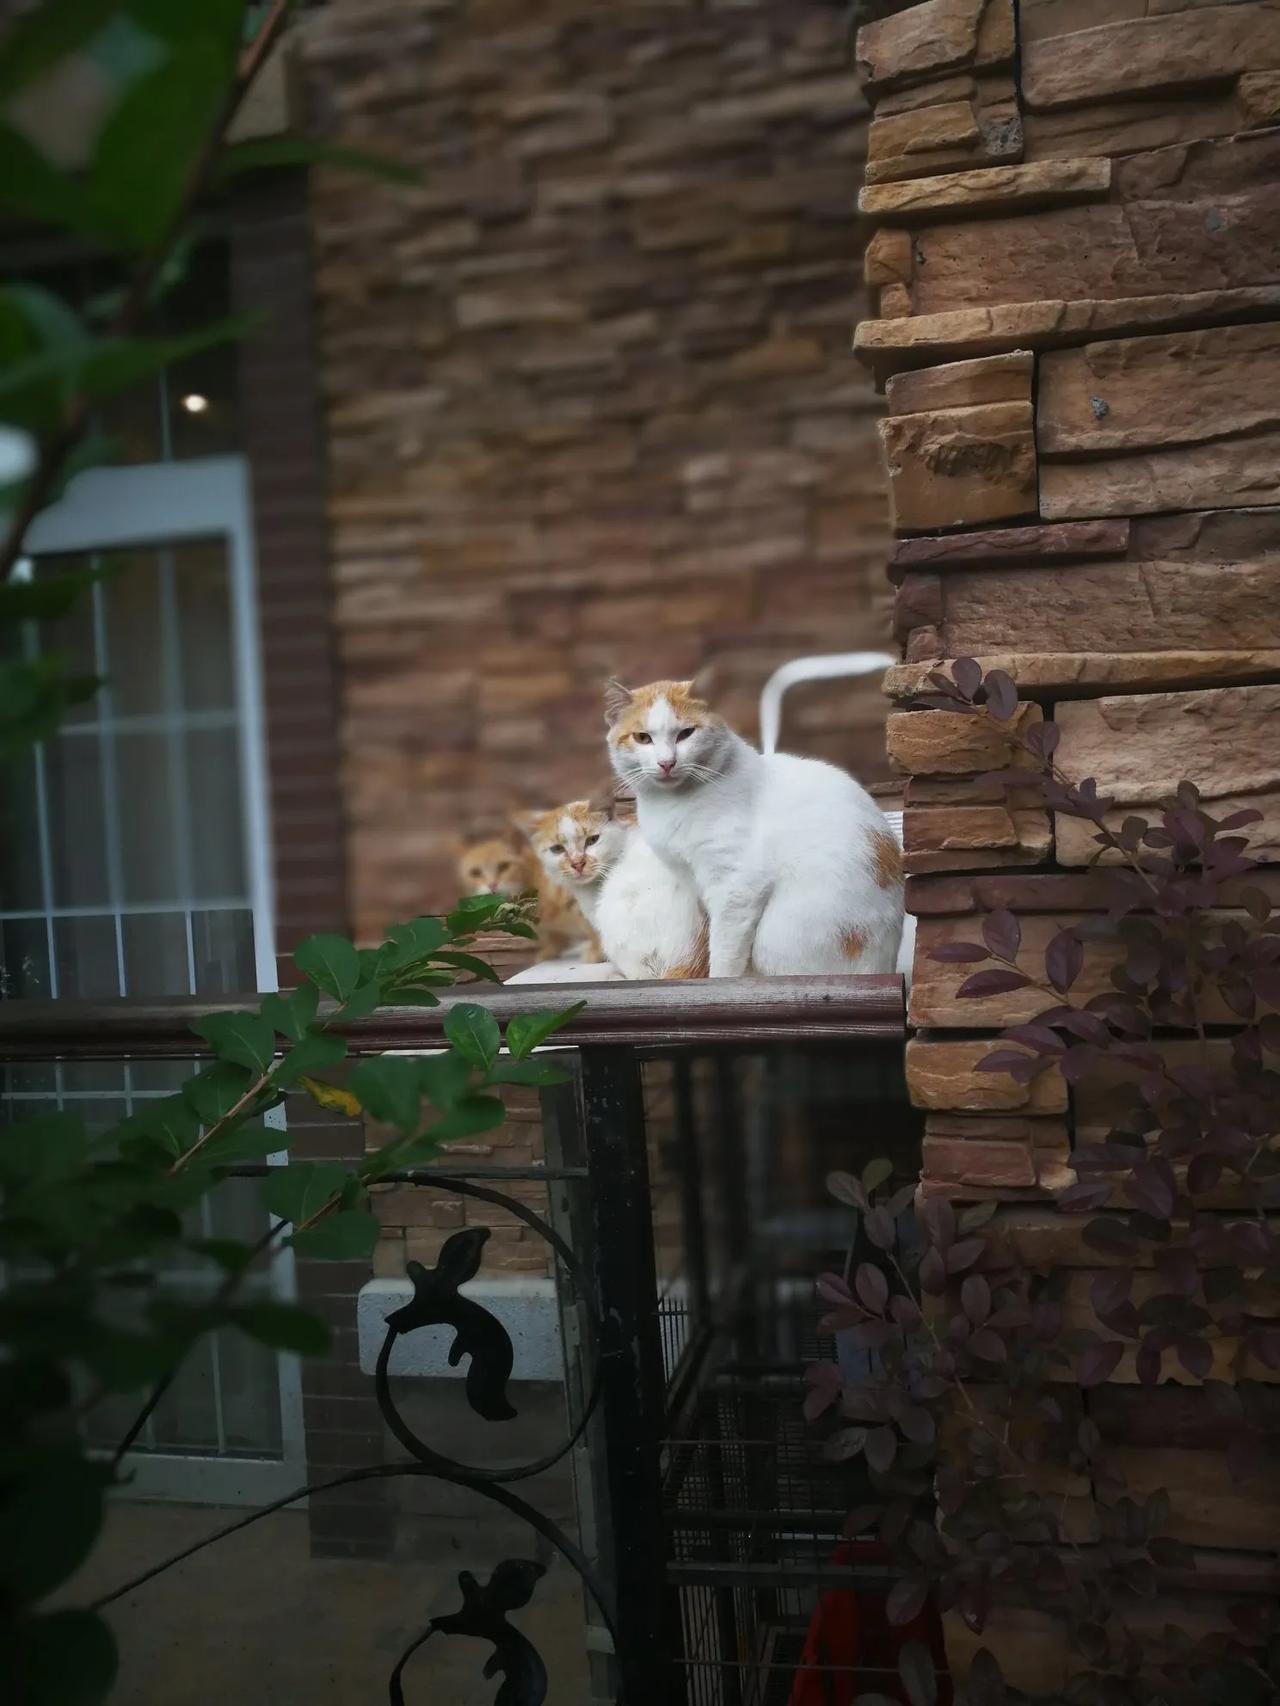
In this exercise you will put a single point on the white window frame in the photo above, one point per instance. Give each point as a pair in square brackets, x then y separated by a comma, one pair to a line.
[160, 504]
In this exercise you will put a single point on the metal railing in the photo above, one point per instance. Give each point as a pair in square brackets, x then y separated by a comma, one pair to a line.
[712, 1535]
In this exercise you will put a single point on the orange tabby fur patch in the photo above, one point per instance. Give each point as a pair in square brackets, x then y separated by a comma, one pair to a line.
[501, 865]
[497, 865]
[852, 943]
[888, 858]
[678, 694]
[698, 963]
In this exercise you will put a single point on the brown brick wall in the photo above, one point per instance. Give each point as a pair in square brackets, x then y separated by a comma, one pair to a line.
[590, 402]
[282, 430]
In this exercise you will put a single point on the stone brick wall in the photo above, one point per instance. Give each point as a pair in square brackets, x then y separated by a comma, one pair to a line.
[1078, 328]
[590, 406]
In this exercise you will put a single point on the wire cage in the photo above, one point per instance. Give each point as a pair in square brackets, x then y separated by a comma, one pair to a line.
[770, 1602]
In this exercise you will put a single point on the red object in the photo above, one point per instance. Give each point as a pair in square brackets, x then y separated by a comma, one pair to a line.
[852, 1648]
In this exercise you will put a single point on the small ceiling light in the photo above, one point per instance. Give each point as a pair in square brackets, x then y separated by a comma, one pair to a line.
[195, 404]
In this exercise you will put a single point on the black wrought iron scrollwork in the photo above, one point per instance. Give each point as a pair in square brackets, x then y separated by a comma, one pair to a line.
[478, 1334]
[436, 1302]
[484, 1616]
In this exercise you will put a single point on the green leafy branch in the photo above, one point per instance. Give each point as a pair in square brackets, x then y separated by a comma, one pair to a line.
[89, 1223]
[181, 78]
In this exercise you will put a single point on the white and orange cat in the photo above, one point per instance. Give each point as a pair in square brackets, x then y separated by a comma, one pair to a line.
[505, 865]
[645, 913]
[795, 864]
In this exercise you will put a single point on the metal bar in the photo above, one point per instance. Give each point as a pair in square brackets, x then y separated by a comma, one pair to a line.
[631, 1373]
[31, 648]
[152, 723]
[109, 772]
[731, 1011]
[136, 907]
[692, 1217]
[175, 742]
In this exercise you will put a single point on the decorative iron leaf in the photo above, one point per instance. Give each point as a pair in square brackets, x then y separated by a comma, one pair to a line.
[436, 1302]
[483, 1617]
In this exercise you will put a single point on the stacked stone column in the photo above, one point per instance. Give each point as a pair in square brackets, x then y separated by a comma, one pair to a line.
[1075, 264]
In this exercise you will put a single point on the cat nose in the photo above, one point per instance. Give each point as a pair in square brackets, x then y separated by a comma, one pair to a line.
[579, 865]
[667, 765]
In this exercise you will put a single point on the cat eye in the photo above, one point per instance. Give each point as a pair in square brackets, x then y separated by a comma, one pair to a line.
[591, 840]
[476, 871]
[642, 739]
[557, 848]
[504, 866]
[685, 733]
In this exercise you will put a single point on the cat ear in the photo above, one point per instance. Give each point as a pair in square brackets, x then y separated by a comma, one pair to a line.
[703, 685]
[602, 800]
[616, 700]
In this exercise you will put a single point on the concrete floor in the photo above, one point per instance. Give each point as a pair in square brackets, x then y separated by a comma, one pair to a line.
[257, 1621]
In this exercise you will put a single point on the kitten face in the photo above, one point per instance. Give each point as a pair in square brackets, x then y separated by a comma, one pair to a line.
[495, 866]
[576, 843]
[661, 736]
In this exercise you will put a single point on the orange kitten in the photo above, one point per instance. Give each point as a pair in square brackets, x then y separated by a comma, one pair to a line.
[505, 865]
[645, 914]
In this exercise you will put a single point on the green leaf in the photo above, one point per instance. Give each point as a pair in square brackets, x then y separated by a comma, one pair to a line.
[292, 1010]
[474, 1032]
[408, 943]
[49, 318]
[242, 1038]
[42, 1150]
[364, 999]
[274, 151]
[528, 1031]
[317, 1052]
[216, 21]
[214, 1092]
[296, 1192]
[126, 1362]
[170, 1121]
[349, 1235]
[416, 996]
[388, 1089]
[468, 962]
[536, 1073]
[284, 1326]
[101, 366]
[443, 1078]
[474, 911]
[331, 962]
[232, 1256]
[468, 1116]
[242, 1143]
[41, 37]
[48, 598]
[33, 697]
[49, 1520]
[63, 1658]
[148, 148]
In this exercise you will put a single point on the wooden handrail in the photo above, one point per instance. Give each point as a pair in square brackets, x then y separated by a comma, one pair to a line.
[644, 1015]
